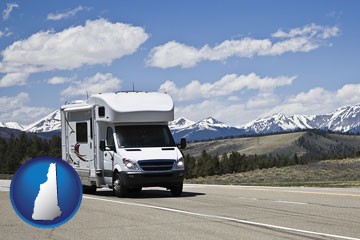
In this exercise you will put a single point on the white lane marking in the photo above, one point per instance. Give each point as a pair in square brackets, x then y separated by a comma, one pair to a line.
[299, 203]
[277, 201]
[248, 198]
[302, 190]
[224, 218]
[5, 185]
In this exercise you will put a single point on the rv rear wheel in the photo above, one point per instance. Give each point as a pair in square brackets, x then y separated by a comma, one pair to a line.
[89, 189]
[118, 187]
[176, 191]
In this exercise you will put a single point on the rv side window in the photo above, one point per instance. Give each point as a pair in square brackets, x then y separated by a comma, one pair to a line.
[101, 111]
[110, 137]
[91, 129]
[81, 132]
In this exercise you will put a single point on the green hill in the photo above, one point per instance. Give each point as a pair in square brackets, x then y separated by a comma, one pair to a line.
[329, 173]
[287, 144]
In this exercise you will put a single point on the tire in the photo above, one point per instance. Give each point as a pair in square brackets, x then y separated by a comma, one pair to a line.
[119, 188]
[89, 189]
[176, 191]
[135, 190]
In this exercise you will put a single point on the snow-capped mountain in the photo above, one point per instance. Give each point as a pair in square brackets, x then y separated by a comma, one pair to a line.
[12, 125]
[49, 123]
[345, 119]
[278, 123]
[208, 128]
[180, 123]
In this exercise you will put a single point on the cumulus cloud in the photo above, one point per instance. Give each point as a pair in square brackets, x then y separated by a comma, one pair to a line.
[97, 42]
[262, 100]
[65, 15]
[303, 39]
[12, 79]
[15, 108]
[226, 86]
[59, 80]
[173, 54]
[309, 31]
[317, 101]
[231, 113]
[7, 11]
[5, 33]
[208, 107]
[96, 84]
[243, 108]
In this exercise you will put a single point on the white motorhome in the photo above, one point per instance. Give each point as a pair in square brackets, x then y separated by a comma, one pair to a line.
[122, 141]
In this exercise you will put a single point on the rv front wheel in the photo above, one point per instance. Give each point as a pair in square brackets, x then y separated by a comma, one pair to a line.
[118, 187]
[176, 191]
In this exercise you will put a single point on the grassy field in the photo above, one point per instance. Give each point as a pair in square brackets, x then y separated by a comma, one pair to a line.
[5, 176]
[330, 173]
[283, 144]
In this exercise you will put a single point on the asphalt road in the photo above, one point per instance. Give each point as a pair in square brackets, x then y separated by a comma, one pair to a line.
[203, 212]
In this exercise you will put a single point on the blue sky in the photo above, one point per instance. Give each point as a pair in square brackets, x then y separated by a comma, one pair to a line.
[232, 60]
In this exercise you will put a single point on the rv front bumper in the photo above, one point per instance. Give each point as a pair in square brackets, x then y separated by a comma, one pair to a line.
[153, 179]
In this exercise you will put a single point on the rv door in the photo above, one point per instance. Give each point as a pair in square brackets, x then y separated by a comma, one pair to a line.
[81, 141]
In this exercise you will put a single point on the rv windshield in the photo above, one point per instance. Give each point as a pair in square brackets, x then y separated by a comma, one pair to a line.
[136, 136]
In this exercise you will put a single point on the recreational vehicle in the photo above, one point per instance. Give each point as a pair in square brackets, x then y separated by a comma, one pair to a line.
[122, 141]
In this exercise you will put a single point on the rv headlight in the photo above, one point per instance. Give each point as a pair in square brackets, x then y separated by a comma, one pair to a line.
[130, 164]
[180, 163]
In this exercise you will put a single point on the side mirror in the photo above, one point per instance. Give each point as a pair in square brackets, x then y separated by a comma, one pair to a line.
[183, 143]
[111, 148]
[102, 145]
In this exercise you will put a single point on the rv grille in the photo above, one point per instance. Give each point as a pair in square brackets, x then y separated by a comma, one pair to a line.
[156, 165]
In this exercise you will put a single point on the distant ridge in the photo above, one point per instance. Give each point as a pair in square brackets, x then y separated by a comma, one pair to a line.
[344, 120]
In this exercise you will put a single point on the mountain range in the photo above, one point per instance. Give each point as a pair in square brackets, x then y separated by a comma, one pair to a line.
[343, 120]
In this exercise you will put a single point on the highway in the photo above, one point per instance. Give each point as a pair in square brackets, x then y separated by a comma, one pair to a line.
[203, 212]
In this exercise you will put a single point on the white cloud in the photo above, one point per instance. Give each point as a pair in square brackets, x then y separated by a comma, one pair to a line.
[97, 42]
[5, 33]
[246, 47]
[59, 80]
[318, 101]
[64, 15]
[12, 79]
[8, 103]
[173, 54]
[238, 111]
[314, 95]
[7, 11]
[226, 86]
[96, 84]
[15, 109]
[349, 93]
[262, 100]
[303, 39]
[214, 108]
[309, 31]
[297, 44]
